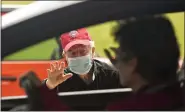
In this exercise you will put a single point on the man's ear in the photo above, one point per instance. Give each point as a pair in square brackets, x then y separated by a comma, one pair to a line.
[64, 59]
[64, 55]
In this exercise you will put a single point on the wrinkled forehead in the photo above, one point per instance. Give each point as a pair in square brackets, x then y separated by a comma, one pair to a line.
[78, 46]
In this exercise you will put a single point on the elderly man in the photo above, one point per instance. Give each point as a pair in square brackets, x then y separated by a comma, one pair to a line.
[79, 70]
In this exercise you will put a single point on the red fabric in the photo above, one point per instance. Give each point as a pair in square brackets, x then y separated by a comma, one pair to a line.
[81, 34]
[153, 101]
[51, 101]
[157, 101]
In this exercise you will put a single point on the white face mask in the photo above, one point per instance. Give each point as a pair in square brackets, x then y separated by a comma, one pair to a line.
[80, 65]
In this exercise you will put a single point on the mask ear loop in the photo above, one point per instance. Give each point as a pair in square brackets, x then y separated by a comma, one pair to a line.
[92, 45]
[93, 55]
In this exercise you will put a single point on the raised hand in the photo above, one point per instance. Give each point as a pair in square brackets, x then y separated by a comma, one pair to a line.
[56, 75]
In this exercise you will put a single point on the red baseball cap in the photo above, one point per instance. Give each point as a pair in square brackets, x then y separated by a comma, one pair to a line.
[80, 36]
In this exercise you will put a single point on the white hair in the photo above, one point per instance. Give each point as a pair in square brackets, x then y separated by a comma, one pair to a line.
[92, 44]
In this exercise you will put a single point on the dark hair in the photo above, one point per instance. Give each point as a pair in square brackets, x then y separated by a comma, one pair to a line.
[153, 42]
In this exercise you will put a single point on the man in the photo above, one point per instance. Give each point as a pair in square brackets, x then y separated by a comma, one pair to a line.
[147, 60]
[79, 71]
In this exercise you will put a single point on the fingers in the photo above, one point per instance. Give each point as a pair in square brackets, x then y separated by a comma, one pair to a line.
[57, 65]
[108, 54]
[57, 68]
[62, 67]
[53, 67]
[114, 49]
[49, 72]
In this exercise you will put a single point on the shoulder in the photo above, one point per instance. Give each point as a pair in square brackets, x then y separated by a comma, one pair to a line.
[106, 74]
[104, 63]
[105, 67]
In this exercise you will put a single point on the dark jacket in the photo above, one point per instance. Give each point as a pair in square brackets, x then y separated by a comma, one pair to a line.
[106, 77]
[168, 98]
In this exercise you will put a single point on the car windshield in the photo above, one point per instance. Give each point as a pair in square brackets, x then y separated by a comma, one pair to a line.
[38, 57]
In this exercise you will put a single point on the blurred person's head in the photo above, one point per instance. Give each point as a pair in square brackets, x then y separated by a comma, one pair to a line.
[78, 50]
[148, 52]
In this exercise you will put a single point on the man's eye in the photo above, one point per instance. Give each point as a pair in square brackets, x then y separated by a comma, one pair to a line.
[73, 53]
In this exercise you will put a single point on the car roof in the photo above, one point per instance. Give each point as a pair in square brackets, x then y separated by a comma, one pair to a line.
[8, 8]
[52, 20]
